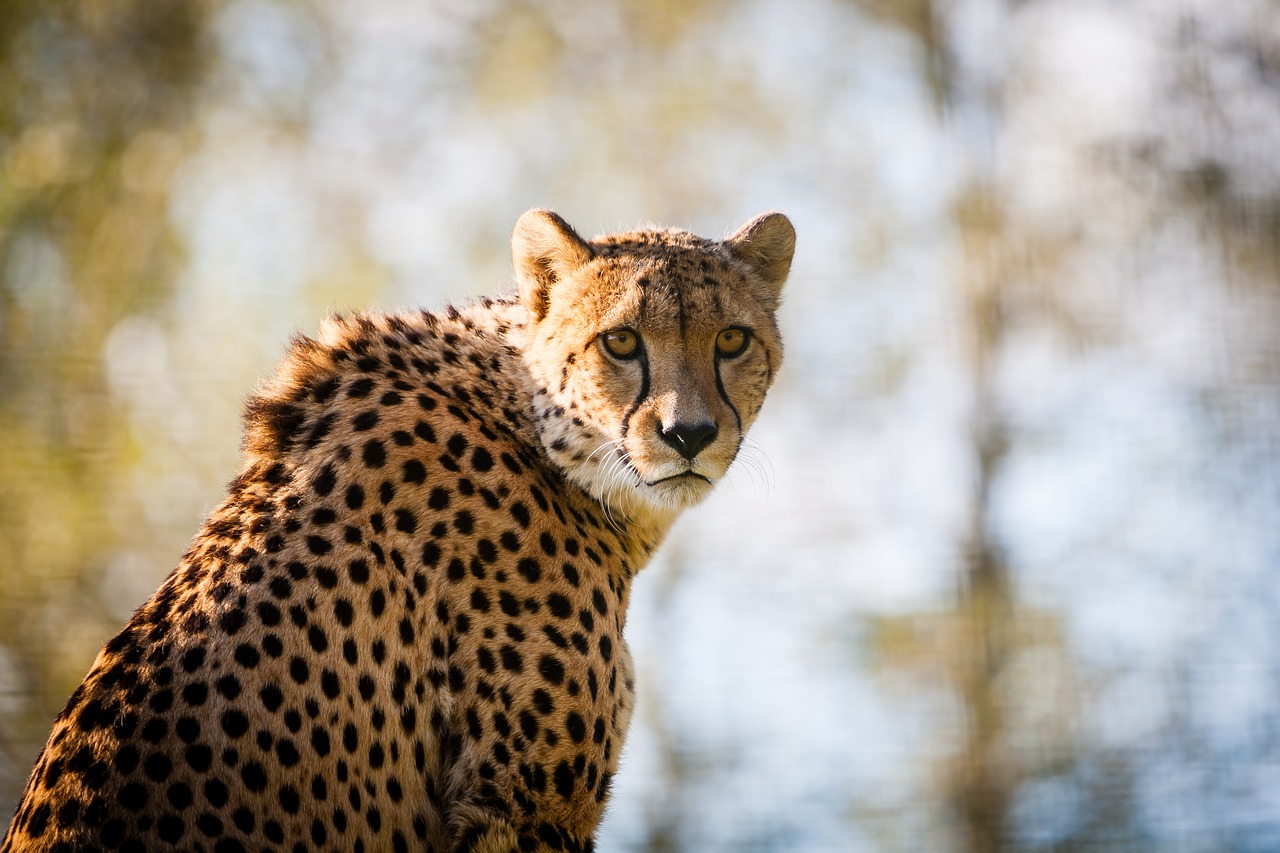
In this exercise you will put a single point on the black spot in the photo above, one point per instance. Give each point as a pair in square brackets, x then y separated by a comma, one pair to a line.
[320, 429]
[520, 513]
[216, 793]
[327, 577]
[170, 828]
[511, 659]
[133, 796]
[38, 822]
[606, 648]
[112, 832]
[234, 723]
[343, 611]
[358, 571]
[209, 824]
[350, 738]
[551, 669]
[194, 694]
[232, 621]
[481, 460]
[179, 796]
[548, 544]
[563, 779]
[463, 522]
[228, 685]
[246, 655]
[271, 697]
[316, 637]
[287, 752]
[457, 444]
[253, 776]
[289, 799]
[360, 387]
[374, 454]
[193, 659]
[324, 482]
[320, 741]
[430, 554]
[438, 499]
[529, 569]
[324, 390]
[329, 684]
[576, 727]
[187, 729]
[406, 521]
[162, 701]
[364, 421]
[318, 545]
[414, 472]
[198, 757]
[268, 614]
[559, 605]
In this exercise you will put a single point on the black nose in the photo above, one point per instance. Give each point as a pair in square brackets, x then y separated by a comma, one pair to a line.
[688, 439]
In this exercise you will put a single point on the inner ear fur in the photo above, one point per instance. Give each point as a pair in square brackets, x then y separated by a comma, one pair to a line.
[767, 244]
[544, 249]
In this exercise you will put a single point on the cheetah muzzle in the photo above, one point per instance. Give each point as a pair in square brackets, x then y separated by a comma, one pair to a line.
[403, 629]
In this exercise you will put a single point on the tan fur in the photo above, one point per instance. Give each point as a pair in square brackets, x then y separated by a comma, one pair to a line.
[403, 629]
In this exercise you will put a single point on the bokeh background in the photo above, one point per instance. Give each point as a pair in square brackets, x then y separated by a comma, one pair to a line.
[1002, 574]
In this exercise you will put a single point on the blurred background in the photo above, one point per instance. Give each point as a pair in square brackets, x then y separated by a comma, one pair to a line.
[1001, 571]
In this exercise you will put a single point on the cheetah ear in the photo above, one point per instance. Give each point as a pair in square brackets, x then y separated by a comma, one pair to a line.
[766, 243]
[545, 249]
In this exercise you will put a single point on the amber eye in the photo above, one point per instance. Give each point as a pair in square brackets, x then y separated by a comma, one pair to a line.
[731, 342]
[621, 343]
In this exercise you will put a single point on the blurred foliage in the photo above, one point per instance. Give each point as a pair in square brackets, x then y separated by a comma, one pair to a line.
[95, 111]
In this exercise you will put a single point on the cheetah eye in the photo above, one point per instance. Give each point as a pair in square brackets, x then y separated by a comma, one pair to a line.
[732, 342]
[621, 343]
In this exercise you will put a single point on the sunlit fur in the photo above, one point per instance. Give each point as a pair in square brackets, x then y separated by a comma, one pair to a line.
[600, 415]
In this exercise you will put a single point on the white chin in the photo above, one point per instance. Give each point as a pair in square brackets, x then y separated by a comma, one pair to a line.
[662, 492]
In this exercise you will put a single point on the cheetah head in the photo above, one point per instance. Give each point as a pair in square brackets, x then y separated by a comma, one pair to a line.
[652, 351]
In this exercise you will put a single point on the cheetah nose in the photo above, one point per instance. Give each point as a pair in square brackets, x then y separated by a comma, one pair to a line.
[688, 439]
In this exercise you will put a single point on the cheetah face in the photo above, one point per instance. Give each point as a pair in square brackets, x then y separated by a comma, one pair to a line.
[652, 351]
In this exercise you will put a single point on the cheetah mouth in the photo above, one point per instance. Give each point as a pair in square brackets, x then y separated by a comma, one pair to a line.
[683, 476]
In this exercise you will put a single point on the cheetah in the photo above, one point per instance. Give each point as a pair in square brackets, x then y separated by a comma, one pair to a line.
[403, 628]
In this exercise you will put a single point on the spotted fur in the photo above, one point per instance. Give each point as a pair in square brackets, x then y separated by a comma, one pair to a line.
[403, 629]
